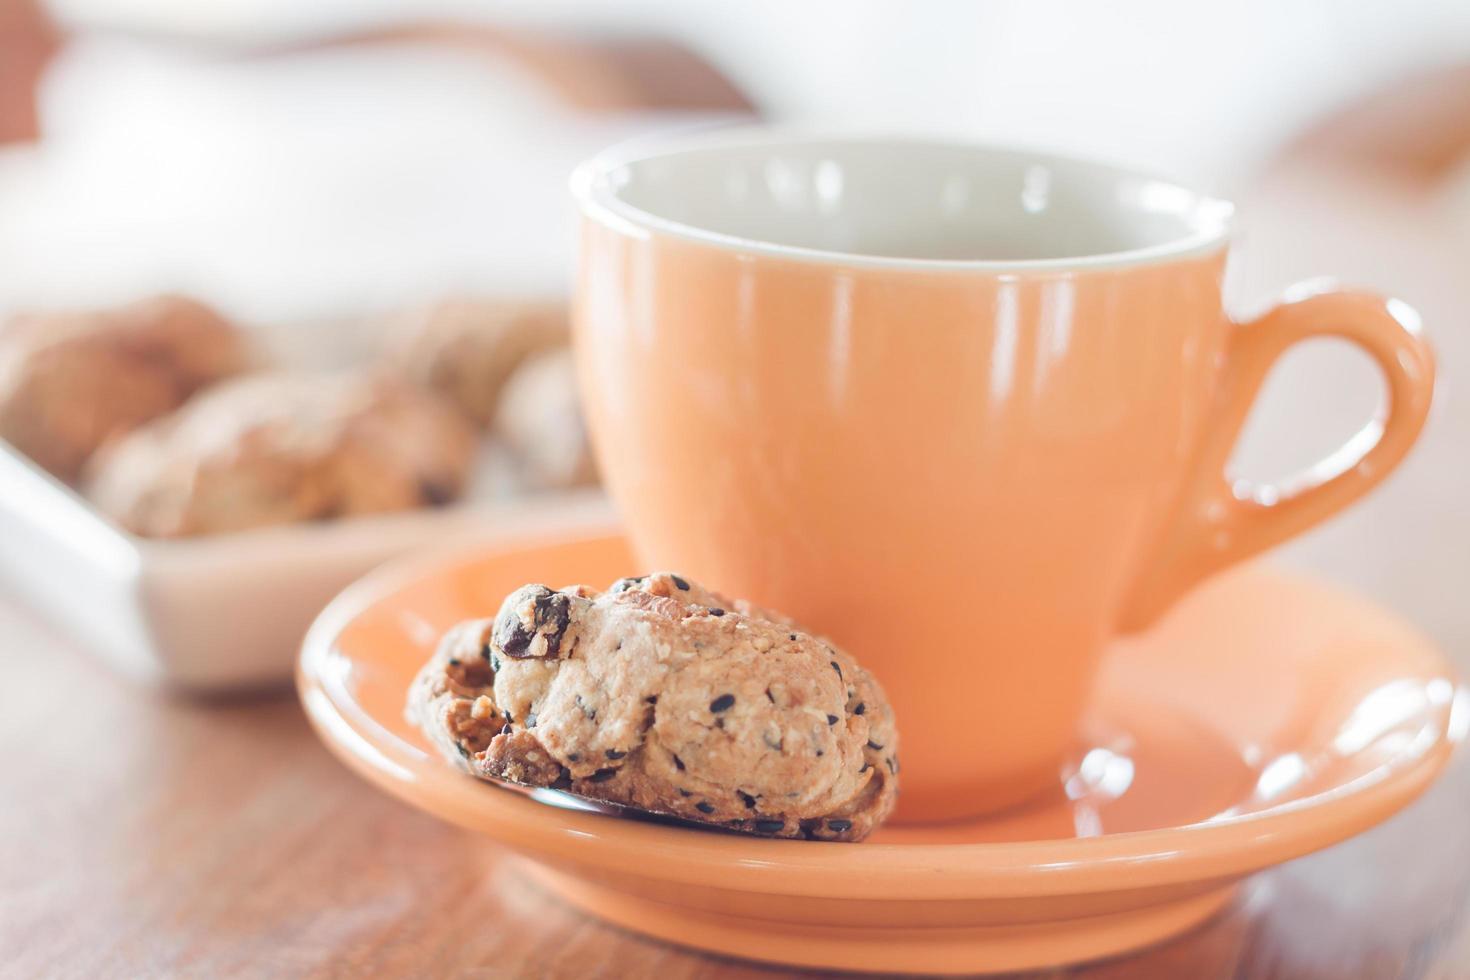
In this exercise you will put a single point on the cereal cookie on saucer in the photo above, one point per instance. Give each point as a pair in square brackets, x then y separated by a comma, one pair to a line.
[665, 697]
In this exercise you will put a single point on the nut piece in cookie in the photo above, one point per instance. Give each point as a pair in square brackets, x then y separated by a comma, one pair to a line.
[664, 696]
[282, 447]
[453, 703]
[71, 381]
[466, 349]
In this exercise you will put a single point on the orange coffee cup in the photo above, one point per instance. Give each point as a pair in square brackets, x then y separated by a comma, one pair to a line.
[965, 410]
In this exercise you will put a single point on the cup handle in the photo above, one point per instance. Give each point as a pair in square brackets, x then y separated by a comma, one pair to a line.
[1219, 521]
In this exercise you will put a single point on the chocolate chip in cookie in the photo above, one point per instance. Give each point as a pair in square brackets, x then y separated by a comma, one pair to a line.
[532, 623]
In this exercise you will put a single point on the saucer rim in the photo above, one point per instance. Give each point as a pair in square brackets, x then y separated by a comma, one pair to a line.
[1230, 846]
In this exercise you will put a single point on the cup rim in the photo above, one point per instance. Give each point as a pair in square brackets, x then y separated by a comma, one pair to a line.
[1208, 218]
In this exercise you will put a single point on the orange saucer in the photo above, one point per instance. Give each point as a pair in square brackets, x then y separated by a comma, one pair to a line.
[1267, 717]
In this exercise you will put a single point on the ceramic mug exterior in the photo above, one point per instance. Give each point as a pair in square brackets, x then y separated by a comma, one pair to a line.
[965, 410]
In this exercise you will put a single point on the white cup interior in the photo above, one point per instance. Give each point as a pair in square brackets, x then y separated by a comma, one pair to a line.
[899, 200]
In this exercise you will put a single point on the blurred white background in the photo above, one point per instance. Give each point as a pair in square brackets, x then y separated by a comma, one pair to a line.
[219, 148]
[361, 176]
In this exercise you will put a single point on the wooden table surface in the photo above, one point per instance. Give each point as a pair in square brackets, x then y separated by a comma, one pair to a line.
[143, 834]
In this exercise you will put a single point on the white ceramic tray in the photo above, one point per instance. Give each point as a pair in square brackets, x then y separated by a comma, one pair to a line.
[229, 611]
